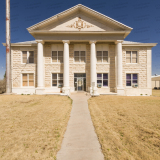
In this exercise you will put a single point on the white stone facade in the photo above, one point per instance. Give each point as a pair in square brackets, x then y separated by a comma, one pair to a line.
[88, 34]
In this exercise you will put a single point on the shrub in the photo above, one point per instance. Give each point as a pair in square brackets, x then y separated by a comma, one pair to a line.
[2, 86]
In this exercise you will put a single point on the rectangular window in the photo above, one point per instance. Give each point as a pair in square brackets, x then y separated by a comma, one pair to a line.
[57, 56]
[102, 56]
[131, 56]
[27, 56]
[27, 79]
[102, 79]
[132, 80]
[80, 56]
[57, 80]
[24, 56]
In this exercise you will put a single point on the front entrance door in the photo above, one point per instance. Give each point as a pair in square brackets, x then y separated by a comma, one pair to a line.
[80, 84]
[80, 81]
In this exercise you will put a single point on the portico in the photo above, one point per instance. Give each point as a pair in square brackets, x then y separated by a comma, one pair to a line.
[93, 62]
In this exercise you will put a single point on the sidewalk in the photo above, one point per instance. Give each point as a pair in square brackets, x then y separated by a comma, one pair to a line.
[80, 140]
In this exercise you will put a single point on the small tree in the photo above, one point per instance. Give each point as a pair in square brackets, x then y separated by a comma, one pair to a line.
[5, 75]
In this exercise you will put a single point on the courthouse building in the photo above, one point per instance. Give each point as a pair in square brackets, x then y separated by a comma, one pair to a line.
[81, 49]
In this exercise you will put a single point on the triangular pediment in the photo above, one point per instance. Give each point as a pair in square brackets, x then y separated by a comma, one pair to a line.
[79, 22]
[79, 18]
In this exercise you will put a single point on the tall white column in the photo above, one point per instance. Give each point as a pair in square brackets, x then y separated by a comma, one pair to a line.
[66, 88]
[120, 89]
[40, 67]
[93, 76]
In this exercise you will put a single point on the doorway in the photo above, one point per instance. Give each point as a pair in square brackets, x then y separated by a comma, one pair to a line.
[80, 81]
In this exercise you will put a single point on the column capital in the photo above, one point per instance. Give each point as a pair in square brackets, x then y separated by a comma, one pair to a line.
[92, 41]
[40, 41]
[66, 41]
[118, 41]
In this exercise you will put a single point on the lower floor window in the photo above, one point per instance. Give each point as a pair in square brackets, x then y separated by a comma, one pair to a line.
[57, 80]
[132, 80]
[28, 79]
[102, 79]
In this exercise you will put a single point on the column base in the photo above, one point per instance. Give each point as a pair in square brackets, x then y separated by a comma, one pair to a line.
[65, 91]
[93, 91]
[39, 90]
[120, 91]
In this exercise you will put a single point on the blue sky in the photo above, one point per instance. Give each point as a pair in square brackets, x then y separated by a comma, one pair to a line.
[142, 15]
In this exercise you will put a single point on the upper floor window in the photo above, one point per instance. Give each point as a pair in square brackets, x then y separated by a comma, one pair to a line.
[132, 80]
[27, 56]
[102, 79]
[131, 56]
[27, 79]
[57, 56]
[57, 80]
[79, 56]
[102, 56]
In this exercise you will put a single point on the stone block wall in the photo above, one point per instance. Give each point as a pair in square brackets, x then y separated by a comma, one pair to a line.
[140, 67]
[18, 67]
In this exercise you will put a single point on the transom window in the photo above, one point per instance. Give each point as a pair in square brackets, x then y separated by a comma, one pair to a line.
[27, 56]
[131, 56]
[57, 56]
[132, 80]
[102, 79]
[102, 56]
[28, 79]
[57, 80]
[79, 56]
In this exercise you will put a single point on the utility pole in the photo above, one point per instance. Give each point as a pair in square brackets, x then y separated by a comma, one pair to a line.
[8, 48]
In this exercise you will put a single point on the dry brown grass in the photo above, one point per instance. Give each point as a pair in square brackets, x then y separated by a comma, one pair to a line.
[32, 127]
[128, 128]
[156, 93]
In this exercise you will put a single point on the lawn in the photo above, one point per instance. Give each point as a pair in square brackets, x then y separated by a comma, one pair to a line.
[128, 128]
[32, 127]
[156, 93]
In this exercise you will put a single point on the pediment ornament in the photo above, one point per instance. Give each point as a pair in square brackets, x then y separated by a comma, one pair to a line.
[79, 24]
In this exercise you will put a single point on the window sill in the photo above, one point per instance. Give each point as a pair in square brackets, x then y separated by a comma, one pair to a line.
[132, 63]
[27, 63]
[28, 86]
[103, 63]
[55, 63]
[79, 63]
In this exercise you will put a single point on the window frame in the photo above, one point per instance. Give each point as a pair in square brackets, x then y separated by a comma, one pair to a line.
[57, 57]
[103, 79]
[57, 80]
[79, 57]
[27, 56]
[102, 56]
[131, 56]
[27, 80]
[132, 80]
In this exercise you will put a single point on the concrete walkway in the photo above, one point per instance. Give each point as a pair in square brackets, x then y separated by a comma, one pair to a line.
[80, 140]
